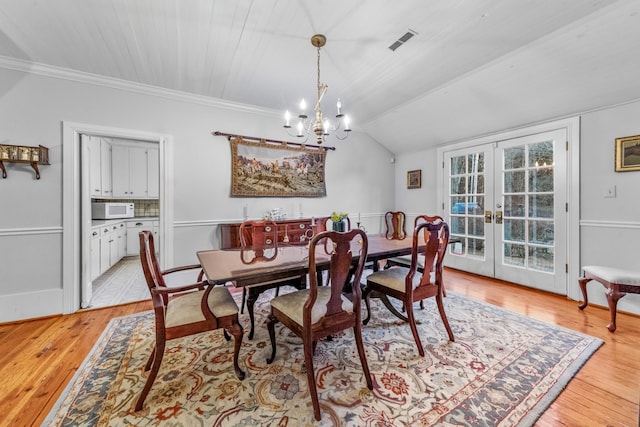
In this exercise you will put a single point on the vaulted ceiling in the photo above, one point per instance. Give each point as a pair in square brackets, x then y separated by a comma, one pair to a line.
[472, 68]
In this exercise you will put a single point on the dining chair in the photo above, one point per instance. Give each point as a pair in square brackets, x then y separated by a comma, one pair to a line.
[408, 284]
[405, 260]
[321, 311]
[259, 243]
[184, 310]
[395, 223]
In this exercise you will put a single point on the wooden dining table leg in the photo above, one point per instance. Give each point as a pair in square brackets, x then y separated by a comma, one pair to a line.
[252, 297]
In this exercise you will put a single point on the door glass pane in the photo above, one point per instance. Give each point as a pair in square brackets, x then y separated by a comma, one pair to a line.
[458, 224]
[541, 259]
[466, 204]
[476, 248]
[514, 158]
[476, 226]
[514, 230]
[458, 185]
[541, 180]
[541, 232]
[541, 206]
[458, 165]
[514, 182]
[514, 254]
[476, 163]
[514, 206]
[528, 199]
[541, 154]
[476, 184]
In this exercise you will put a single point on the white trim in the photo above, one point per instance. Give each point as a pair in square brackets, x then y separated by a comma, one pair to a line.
[632, 225]
[114, 83]
[30, 231]
[30, 305]
[71, 201]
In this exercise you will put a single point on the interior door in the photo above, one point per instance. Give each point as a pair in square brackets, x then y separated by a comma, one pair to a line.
[507, 207]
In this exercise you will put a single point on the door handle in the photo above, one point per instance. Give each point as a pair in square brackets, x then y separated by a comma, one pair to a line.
[488, 215]
[498, 217]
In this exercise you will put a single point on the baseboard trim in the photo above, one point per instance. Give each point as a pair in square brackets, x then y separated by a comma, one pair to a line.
[30, 305]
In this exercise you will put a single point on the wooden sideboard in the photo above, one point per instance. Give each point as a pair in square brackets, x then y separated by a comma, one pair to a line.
[294, 229]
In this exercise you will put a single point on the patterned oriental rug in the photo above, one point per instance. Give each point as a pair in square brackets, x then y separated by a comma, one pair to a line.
[504, 369]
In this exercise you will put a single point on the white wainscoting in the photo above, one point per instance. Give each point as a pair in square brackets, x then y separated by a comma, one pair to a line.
[30, 272]
[613, 244]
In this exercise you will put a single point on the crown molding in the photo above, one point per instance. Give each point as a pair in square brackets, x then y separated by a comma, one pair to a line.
[125, 85]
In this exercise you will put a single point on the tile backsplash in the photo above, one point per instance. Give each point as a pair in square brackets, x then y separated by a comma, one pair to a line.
[149, 207]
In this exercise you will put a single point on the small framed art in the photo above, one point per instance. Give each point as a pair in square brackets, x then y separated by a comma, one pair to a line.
[414, 178]
[628, 154]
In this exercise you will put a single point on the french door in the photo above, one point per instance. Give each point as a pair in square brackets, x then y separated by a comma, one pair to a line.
[505, 203]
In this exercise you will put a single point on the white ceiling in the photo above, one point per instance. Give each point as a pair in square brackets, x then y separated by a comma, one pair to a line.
[474, 67]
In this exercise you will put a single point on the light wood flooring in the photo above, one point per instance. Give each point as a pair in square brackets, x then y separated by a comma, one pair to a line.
[39, 357]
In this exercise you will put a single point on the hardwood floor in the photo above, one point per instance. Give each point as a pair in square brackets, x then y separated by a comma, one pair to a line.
[39, 357]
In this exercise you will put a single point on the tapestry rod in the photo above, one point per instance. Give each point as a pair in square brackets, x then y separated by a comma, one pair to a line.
[274, 141]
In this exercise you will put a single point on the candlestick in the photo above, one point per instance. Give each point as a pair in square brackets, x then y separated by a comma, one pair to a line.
[245, 210]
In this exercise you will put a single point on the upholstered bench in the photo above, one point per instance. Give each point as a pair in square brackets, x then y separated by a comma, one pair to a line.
[618, 283]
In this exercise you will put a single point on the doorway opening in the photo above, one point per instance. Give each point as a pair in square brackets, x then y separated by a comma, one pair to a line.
[77, 208]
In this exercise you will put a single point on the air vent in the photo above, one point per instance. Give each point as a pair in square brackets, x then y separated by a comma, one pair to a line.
[402, 40]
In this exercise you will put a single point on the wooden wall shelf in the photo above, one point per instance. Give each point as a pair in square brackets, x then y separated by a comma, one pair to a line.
[23, 154]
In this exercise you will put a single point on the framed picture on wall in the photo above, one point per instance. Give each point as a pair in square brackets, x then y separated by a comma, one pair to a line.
[414, 178]
[628, 154]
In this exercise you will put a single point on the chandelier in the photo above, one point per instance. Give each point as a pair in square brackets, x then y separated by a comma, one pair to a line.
[319, 126]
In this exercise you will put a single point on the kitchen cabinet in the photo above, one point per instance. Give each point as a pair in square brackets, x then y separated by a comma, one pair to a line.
[135, 171]
[99, 166]
[153, 172]
[108, 246]
[135, 227]
[121, 239]
[94, 263]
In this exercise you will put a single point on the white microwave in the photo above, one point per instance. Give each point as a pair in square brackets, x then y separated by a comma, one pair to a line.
[111, 210]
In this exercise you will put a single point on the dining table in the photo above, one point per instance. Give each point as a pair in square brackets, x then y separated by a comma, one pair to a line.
[239, 267]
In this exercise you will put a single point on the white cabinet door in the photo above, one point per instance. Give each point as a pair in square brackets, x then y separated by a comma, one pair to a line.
[105, 167]
[120, 170]
[113, 246]
[153, 173]
[99, 166]
[135, 227]
[95, 254]
[95, 184]
[138, 172]
[131, 174]
[122, 240]
[105, 249]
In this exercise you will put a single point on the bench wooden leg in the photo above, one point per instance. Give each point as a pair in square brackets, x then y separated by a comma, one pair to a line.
[613, 295]
[583, 287]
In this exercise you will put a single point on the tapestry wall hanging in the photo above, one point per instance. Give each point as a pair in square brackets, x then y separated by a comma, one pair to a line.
[262, 169]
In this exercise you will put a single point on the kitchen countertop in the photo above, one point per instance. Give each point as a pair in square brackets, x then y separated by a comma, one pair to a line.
[103, 222]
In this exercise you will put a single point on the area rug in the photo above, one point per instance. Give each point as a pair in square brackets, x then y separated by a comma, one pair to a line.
[503, 369]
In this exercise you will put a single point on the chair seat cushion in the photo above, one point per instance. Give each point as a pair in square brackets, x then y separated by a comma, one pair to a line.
[394, 277]
[292, 304]
[186, 309]
[614, 275]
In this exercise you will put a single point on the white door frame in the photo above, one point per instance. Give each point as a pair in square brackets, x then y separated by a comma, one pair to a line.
[572, 127]
[73, 197]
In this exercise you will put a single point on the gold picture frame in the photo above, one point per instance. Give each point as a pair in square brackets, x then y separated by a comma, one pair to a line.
[628, 154]
[414, 178]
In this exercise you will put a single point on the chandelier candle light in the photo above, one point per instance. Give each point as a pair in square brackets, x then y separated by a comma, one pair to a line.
[319, 127]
